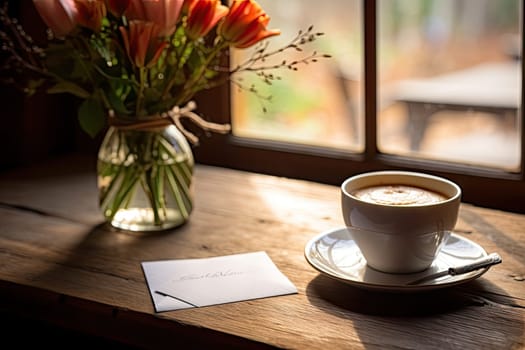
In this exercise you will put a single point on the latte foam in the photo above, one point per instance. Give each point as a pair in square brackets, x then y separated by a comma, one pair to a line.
[398, 195]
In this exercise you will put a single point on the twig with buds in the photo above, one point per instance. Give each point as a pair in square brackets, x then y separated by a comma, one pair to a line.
[22, 52]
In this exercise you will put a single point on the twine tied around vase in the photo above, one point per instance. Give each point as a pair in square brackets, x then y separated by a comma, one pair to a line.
[173, 116]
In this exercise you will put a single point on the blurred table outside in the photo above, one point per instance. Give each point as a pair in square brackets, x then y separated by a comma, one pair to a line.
[488, 87]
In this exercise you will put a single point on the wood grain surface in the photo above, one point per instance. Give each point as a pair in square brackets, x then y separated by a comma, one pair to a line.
[60, 264]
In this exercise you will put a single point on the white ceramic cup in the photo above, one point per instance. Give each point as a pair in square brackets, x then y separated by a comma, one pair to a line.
[400, 238]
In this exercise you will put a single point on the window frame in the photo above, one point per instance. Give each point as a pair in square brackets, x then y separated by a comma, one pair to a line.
[486, 187]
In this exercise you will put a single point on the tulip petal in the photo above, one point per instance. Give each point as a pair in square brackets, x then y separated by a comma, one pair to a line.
[117, 7]
[58, 15]
[203, 16]
[142, 42]
[245, 24]
[91, 13]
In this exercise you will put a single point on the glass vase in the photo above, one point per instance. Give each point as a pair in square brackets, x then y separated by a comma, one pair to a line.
[145, 178]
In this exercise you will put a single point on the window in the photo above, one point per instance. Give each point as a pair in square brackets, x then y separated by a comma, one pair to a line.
[321, 103]
[405, 72]
[449, 81]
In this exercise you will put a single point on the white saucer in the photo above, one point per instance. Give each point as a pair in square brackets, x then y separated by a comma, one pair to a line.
[336, 254]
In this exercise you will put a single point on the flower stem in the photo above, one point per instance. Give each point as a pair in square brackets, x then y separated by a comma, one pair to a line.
[140, 95]
[150, 174]
[180, 64]
[190, 85]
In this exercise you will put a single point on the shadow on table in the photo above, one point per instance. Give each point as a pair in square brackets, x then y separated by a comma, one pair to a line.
[93, 260]
[473, 315]
[102, 266]
[382, 303]
[94, 249]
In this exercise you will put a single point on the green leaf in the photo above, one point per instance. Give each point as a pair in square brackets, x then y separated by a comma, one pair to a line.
[68, 87]
[33, 86]
[195, 60]
[115, 100]
[91, 116]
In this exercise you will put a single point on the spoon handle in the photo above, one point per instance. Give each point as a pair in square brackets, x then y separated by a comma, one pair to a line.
[485, 261]
[488, 260]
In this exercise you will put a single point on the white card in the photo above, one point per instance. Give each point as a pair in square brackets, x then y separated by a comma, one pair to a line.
[187, 283]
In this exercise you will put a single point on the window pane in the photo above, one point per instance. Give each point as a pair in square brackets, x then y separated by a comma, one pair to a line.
[450, 81]
[321, 103]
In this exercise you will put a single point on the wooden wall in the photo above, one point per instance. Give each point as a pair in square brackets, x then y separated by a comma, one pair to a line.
[41, 126]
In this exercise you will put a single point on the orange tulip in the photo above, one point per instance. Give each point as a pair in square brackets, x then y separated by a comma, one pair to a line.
[245, 24]
[164, 13]
[58, 15]
[117, 7]
[142, 42]
[203, 15]
[186, 6]
[91, 13]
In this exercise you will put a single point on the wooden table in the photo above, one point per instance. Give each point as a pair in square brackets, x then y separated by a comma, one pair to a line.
[488, 87]
[61, 266]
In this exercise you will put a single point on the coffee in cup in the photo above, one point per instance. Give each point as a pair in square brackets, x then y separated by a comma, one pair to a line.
[399, 219]
[396, 194]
